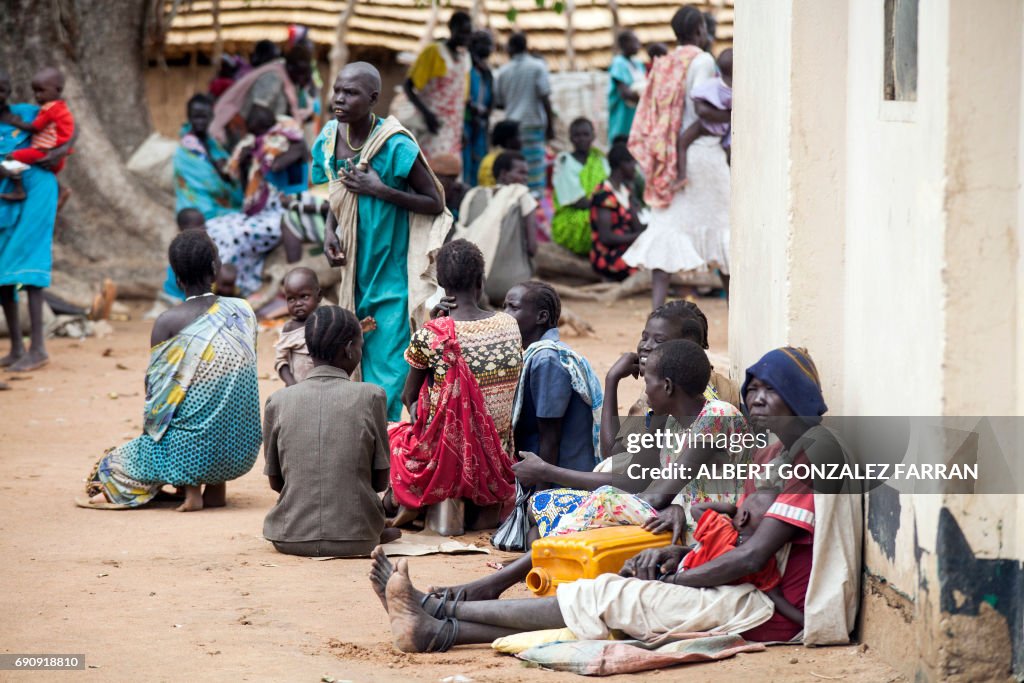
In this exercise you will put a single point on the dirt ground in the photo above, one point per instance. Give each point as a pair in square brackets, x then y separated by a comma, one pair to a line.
[159, 595]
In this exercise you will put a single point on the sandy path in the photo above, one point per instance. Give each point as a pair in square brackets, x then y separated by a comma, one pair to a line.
[154, 594]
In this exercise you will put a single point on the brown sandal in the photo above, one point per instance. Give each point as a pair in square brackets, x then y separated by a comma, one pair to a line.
[103, 302]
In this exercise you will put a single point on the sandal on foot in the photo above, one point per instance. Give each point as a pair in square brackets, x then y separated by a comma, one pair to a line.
[443, 598]
[445, 638]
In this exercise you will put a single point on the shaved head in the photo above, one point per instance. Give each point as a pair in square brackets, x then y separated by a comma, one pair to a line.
[297, 277]
[725, 62]
[363, 72]
[50, 75]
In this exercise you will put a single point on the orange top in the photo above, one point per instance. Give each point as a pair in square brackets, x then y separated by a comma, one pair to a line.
[716, 536]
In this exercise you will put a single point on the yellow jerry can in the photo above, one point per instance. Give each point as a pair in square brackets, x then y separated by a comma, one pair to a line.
[586, 554]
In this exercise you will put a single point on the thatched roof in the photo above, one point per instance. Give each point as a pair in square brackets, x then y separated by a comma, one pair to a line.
[397, 25]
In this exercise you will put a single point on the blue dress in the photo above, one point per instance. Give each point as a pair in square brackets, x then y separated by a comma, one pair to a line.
[620, 112]
[481, 93]
[202, 417]
[26, 227]
[382, 277]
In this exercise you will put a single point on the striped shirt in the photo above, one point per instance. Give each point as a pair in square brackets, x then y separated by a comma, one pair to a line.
[55, 125]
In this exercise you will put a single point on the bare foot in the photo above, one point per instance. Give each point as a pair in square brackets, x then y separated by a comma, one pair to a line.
[98, 499]
[177, 495]
[380, 572]
[215, 495]
[193, 500]
[412, 629]
[103, 302]
[403, 516]
[33, 360]
[11, 358]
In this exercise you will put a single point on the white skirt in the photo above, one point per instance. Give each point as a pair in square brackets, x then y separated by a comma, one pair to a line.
[245, 241]
[692, 232]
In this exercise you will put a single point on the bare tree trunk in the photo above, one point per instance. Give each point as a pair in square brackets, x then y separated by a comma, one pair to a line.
[555, 261]
[111, 225]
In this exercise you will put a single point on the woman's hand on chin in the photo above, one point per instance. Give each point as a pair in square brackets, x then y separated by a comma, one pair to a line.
[627, 365]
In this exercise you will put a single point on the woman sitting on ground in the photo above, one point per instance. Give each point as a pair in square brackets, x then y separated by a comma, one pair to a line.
[614, 221]
[783, 395]
[575, 176]
[271, 163]
[464, 368]
[557, 409]
[502, 222]
[675, 387]
[201, 179]
[201, 425]
[674, 320]
[326, 447]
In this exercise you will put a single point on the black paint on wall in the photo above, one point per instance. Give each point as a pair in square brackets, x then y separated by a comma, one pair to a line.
[1000, 583]
[884, 518]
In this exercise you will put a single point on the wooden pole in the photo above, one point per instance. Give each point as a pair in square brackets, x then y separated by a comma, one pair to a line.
[428, 32]
[218, 42]
[339, 51]
[570, 35]
[613, 7]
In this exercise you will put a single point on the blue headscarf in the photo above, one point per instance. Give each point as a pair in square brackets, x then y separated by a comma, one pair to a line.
[792, 374]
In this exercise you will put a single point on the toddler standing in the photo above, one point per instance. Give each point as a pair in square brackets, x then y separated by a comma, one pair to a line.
[302, 294]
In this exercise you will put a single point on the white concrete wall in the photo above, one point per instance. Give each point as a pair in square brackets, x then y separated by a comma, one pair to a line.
[759, 291]
[786, 166]
[983, 187]
[886, 237]
[894, 309]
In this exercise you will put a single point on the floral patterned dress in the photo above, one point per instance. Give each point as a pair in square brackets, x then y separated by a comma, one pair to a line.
[493, 349]
[441, 79]
[606, 259]
[460, 443]
[566, 511]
